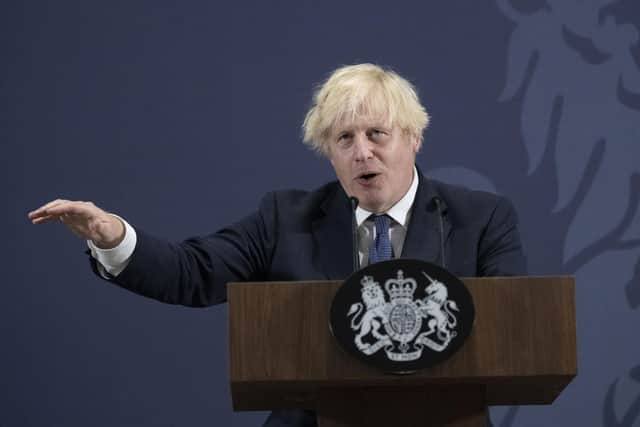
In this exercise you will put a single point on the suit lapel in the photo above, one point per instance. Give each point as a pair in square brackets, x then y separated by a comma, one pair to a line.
[423, 234]
[332, 231]
[332, 236]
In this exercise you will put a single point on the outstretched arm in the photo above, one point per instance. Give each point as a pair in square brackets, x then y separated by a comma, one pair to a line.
[194, 272]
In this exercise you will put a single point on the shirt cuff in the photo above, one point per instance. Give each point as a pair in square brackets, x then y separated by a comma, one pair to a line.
[116, 259]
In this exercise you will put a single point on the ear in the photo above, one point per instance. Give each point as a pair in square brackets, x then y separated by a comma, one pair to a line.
[329, 157]
[416, 142]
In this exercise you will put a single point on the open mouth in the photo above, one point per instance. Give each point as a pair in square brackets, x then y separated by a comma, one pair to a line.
[367, 177]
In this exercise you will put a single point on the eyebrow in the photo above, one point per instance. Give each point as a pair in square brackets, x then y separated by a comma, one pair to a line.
[375, 125]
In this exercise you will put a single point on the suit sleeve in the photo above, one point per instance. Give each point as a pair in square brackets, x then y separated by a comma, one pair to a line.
[500, 251]
[195, 272]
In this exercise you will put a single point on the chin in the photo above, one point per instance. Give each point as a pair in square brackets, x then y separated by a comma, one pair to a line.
[372, 205]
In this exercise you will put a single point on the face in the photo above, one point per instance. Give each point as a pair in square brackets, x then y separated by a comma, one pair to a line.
[373, 162]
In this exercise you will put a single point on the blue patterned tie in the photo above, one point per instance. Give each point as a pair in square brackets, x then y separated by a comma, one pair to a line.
[380, 249]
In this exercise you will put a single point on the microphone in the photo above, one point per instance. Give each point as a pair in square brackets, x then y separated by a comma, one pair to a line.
[442, 207]
[354, 233]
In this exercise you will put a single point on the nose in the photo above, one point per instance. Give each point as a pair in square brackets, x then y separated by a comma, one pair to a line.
[362, 147]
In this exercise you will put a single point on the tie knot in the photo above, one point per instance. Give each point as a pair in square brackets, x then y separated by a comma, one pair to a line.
[382, 223]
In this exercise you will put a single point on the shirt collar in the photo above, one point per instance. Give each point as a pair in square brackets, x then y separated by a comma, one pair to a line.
[398, 212]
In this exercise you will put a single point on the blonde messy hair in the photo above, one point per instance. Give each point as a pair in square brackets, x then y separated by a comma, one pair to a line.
[362, 90]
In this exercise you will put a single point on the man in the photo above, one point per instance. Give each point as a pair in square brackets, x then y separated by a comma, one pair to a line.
[368, 122]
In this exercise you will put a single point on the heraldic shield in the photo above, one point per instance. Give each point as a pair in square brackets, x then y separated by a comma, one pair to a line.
[402, 315]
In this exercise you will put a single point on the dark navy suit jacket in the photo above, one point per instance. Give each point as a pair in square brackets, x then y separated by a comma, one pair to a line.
[299, 235]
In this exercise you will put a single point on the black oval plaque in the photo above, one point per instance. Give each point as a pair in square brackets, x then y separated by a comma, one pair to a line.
[402, 315]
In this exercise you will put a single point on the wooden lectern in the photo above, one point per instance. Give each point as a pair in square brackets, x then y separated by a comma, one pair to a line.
[522, 350]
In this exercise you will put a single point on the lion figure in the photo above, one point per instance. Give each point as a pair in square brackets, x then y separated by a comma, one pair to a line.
[374, 316]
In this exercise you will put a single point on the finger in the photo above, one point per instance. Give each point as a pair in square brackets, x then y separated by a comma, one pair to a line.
[60, 208]
[51, 204]
[71, 208]
[43, 219]
[55, 208]
[39, 214]
[43, 208]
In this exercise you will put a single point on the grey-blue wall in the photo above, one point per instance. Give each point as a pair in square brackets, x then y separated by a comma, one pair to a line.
[180, 115]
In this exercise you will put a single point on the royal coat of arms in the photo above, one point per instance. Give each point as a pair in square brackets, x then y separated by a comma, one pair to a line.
[402, 315]
[399, 323]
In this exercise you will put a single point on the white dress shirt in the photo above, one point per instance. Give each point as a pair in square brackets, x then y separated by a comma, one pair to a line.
[114, 260]
[400, 214]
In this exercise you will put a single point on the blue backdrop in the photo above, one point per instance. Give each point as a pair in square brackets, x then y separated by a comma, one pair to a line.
[180, 115]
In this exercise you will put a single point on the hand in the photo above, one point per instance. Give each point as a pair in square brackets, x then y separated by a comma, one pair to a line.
[84, 219]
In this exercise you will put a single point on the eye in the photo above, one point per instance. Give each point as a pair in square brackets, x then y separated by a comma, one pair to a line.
[344, 139]
[377, 134]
